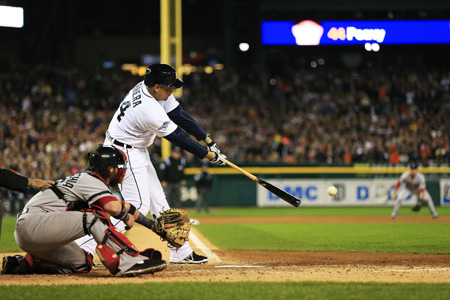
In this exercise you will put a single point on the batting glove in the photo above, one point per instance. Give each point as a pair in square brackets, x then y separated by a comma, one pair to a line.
[219, 159]
[212, 147]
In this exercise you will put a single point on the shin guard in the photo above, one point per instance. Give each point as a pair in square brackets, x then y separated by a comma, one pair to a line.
[108, 256]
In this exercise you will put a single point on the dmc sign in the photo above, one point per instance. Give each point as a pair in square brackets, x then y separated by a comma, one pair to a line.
[301, 192]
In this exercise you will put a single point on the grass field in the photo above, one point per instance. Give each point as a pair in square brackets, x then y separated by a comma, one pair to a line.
[383, 237]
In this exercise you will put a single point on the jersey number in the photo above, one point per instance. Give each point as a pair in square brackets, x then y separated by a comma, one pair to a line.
[123, 108]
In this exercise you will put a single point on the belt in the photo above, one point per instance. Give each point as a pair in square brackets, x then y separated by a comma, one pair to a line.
[117, 143]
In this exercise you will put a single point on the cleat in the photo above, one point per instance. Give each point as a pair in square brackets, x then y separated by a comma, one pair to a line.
[145, 267]
[9, 264]
[193, 258]
[436, 217]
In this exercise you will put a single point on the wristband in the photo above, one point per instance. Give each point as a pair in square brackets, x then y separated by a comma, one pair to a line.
[31, 183]
[132, 209]
[212, 141]
[145, 221]
[123, 215]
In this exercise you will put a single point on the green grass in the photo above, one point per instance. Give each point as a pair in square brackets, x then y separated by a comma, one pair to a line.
[7, 242]
[391, 237]
[232, 291]
[430, 238]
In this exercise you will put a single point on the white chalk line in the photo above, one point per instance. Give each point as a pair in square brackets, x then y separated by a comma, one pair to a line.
[239, 266]
[203, 248]
[414, 270]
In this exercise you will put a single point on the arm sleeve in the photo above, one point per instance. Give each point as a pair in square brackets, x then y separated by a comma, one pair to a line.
[179, 138]
[13, 181]
[185, 121]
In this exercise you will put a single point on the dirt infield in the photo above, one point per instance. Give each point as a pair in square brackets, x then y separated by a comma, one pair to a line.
[237, 266]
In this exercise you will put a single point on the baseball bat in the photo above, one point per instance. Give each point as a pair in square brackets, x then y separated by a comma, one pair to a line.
[275, 190]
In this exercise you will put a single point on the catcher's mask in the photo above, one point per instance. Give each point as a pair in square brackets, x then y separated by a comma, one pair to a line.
[162, 74]
[105, 156]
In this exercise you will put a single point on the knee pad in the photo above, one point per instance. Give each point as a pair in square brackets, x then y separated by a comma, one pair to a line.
[108, 256]
[99, 215]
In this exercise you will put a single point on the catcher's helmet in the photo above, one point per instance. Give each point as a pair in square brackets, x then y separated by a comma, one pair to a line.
[105, 156]
[162, 74]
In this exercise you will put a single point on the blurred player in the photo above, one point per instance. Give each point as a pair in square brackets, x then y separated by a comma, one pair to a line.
[412, 183]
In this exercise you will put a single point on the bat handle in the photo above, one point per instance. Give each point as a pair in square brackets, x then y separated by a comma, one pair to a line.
[249, 175]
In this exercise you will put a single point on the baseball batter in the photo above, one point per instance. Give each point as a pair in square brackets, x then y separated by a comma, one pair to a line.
[47, 232]
[413, 183]
[150, 110]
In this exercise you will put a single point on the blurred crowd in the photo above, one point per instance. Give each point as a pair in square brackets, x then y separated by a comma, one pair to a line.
[50, 117]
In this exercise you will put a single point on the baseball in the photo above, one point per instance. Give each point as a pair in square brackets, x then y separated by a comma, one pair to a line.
[332, 190]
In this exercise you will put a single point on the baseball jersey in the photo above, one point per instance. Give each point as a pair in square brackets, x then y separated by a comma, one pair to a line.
[79, 187]
[413, 185]
[140, 118]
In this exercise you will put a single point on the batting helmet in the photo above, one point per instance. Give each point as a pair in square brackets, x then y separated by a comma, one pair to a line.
[105, 156]
[162, 74]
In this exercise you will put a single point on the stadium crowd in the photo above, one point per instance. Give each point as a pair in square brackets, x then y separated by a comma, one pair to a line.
[50, 117]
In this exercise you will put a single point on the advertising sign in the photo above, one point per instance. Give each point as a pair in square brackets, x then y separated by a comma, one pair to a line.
[351, 192]
[310, 33]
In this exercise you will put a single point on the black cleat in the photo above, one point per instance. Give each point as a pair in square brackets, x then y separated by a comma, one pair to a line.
[9, 264]
[145, 267]
[193, 258]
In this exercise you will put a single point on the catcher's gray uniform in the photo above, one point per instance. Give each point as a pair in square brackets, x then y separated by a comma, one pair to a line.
[45, 230]
[412, 186]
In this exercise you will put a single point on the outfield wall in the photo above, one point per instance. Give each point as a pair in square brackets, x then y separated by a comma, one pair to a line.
[357, 186]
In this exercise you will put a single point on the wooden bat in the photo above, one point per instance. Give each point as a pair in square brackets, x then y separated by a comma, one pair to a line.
[275, 190]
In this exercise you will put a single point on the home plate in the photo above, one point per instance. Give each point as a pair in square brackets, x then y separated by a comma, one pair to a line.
[239, 266]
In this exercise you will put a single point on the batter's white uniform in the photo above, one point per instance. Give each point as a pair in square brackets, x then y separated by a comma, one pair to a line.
[412, 186]
[136, 123]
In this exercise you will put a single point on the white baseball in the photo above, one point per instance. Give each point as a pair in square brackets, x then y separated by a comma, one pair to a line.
[332, 190]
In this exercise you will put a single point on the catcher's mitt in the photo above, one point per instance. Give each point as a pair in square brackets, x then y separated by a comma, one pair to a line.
[179, 233]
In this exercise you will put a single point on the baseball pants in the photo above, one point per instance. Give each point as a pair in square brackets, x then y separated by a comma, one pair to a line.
[404, 193]
[50, 236]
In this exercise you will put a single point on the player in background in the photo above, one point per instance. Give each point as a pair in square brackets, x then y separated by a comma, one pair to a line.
[412, 183]
[13, 181]
[46, 231]
[148, 111]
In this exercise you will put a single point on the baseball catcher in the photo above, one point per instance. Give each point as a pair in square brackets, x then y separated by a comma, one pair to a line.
[46, 231]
